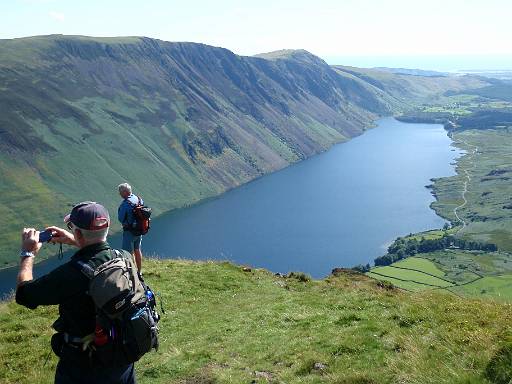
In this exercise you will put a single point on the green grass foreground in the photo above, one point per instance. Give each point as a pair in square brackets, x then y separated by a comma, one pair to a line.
[227, 325]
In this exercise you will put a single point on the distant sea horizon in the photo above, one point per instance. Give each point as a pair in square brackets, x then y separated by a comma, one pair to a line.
[441, 63]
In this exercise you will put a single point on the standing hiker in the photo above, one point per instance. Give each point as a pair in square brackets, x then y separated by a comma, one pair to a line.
[135, 224]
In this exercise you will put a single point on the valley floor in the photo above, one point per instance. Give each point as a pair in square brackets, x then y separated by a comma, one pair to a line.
[484, 173]
[226, 325]
[478, 201]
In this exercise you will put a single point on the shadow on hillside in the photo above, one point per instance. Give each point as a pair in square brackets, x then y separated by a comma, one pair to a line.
[499, 369]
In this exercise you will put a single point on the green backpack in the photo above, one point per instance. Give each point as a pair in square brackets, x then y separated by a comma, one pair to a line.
[126, 316]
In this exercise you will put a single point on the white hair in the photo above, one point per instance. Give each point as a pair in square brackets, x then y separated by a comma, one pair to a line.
[124, 187]
[92, 237]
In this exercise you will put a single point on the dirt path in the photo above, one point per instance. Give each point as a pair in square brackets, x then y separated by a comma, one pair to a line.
[465, 189]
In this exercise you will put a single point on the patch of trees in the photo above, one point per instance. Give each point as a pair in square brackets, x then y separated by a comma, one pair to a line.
[403, 248]
[425, 117]
[362, 268]
[486, 119]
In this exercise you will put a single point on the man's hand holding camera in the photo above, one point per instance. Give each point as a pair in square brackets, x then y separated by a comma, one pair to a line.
[61, 236]
[30, 244]
[32, 239]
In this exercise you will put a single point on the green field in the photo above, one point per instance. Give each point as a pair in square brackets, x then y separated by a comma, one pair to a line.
[466, 273]
[224, 325]
[496, 287]
[488, 212]
[463, 104]
[413, 273]
[424, 265]
[432, 234]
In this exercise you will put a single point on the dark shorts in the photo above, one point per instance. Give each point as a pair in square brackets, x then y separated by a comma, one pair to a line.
[131, 242]
[69, 373]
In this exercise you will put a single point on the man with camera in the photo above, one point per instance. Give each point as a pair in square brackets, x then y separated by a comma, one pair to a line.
[67, 286]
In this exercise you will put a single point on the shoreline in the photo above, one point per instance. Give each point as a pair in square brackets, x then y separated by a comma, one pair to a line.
[435, 186]
[435, 181]
[372, 125]
[383, 246]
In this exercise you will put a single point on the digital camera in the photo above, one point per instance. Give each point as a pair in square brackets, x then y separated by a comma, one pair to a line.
[45, 236]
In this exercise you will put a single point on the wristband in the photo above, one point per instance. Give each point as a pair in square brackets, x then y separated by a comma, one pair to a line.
[26, 254]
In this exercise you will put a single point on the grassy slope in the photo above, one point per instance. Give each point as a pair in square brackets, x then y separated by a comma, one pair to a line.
[224, 325]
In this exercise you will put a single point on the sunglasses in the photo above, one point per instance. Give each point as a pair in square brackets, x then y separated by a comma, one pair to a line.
[70, 225]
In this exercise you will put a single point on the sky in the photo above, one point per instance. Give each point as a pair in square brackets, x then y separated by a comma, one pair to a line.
[433, 34]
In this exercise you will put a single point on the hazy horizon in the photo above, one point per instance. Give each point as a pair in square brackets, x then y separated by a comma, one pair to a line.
[433, 35]
[442, 63]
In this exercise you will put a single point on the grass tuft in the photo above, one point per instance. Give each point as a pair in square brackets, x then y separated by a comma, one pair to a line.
[300, 276]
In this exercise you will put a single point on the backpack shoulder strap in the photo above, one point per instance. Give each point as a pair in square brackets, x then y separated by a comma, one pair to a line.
[86, 269]
[121, 253]
[117, 253]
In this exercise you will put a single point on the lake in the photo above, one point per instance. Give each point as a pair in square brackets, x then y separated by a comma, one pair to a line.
[337, 209]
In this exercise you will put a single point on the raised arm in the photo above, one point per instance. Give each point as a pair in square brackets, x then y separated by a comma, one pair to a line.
[53, 287]
[30, 246]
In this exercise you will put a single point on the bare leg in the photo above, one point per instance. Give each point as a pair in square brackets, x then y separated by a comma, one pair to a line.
[138, 258]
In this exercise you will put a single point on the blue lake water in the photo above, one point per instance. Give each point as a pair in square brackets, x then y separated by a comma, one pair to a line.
[340, 208]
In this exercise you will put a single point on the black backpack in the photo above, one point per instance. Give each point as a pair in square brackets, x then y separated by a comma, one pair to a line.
[126, 316]
[142, 217]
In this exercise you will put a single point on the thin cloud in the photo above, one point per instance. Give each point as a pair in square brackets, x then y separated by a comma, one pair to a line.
[57, 15]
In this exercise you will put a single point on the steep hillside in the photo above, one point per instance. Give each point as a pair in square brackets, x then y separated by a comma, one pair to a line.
[227, 325]
[180, 121]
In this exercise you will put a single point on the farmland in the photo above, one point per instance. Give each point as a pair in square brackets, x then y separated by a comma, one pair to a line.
[470, 274]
